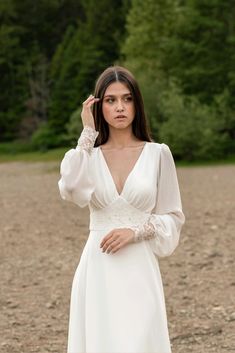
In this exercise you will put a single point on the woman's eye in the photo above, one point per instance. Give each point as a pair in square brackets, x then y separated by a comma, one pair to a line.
[109, 100]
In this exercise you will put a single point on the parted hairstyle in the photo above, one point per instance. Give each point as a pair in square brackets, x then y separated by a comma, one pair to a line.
[139, 125]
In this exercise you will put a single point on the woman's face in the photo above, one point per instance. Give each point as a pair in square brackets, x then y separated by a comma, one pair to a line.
[118, 106]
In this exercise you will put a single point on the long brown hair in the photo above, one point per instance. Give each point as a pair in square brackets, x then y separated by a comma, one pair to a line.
[139, 125]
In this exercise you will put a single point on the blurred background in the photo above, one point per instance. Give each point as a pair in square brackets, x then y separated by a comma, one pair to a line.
[183, 56]
[181, 52]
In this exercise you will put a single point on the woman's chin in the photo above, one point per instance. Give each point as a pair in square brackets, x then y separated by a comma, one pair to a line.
[122, 123]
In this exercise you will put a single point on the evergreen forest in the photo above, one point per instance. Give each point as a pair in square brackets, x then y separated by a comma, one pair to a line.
[182, 53]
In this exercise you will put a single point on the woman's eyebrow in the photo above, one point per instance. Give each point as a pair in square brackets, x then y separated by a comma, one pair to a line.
[123, 95]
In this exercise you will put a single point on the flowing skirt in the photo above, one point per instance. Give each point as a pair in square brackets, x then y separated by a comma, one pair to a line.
[117, 301]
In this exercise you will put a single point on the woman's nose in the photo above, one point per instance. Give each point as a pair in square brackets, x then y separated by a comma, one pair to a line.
[120, 106]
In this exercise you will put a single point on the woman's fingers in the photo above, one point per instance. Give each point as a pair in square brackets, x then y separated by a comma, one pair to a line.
[116, 248]
[90, 100]
[117, 239]
[108, 241]
[86, 114]
[106, 238]
[113, 246]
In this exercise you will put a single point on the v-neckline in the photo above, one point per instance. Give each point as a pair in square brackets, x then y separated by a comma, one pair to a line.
[128, 176]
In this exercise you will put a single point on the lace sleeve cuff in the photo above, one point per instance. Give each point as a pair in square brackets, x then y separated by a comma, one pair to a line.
[144, 232]
[87, 139]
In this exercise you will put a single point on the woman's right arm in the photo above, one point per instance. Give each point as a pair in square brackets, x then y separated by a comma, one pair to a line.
[76, 183]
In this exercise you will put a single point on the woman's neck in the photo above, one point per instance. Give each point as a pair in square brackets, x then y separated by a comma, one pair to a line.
[121, 138]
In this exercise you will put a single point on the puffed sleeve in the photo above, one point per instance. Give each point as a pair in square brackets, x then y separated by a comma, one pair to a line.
[164, 224]
[76, 183]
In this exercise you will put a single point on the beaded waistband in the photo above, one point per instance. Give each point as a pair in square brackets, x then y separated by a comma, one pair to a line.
[116, 216]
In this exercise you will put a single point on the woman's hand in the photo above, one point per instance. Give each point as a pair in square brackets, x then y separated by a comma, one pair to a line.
[117, 239]
[86, 114]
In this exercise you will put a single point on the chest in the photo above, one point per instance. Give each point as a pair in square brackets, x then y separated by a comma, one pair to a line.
[136, 172]
[121, 163]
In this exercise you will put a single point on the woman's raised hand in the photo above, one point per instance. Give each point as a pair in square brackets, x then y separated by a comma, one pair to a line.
[86, 114]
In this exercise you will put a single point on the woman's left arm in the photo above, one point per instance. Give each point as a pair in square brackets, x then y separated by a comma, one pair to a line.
[164, 225]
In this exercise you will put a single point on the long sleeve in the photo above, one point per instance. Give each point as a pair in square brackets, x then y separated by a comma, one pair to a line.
[76, 183]
[163, 226]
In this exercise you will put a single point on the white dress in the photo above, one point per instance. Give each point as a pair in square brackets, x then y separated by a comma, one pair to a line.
[117, 299]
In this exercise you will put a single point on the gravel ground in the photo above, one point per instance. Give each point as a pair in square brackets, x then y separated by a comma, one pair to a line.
[42, 238]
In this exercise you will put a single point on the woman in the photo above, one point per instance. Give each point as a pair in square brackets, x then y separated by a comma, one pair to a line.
[130, 185]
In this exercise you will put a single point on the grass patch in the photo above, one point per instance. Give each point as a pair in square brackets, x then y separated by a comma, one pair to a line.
[13, 154]
[14, 147]
[22, 151]
[200, 163]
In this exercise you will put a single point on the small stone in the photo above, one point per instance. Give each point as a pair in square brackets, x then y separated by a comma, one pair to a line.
[232, 317]
[214, 227]
[15, 323]
[13, 305]
[183, 311]
[49, 305]
[218, 308]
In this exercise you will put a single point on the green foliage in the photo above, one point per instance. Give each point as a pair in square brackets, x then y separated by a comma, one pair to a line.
[225, 107]
[149, 26]
[185, 65]
[24, 39]
[13, 84]
[191, 129]
[55, 154]
[64, 71]
[74, 126]
[15, 147]
[44, 138]
[182, 54]
[201, 51]
[153, 92]
[85, 51]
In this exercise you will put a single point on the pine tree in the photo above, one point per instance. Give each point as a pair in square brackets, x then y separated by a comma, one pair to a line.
[203, 50]
[185, 51]
[92, 46]
[29, 31]
[150, 25]
[12, 71]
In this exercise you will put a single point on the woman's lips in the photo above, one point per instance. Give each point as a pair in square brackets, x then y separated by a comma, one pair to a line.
[120, 117]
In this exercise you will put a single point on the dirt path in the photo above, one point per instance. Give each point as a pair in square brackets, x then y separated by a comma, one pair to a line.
[42, 238]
